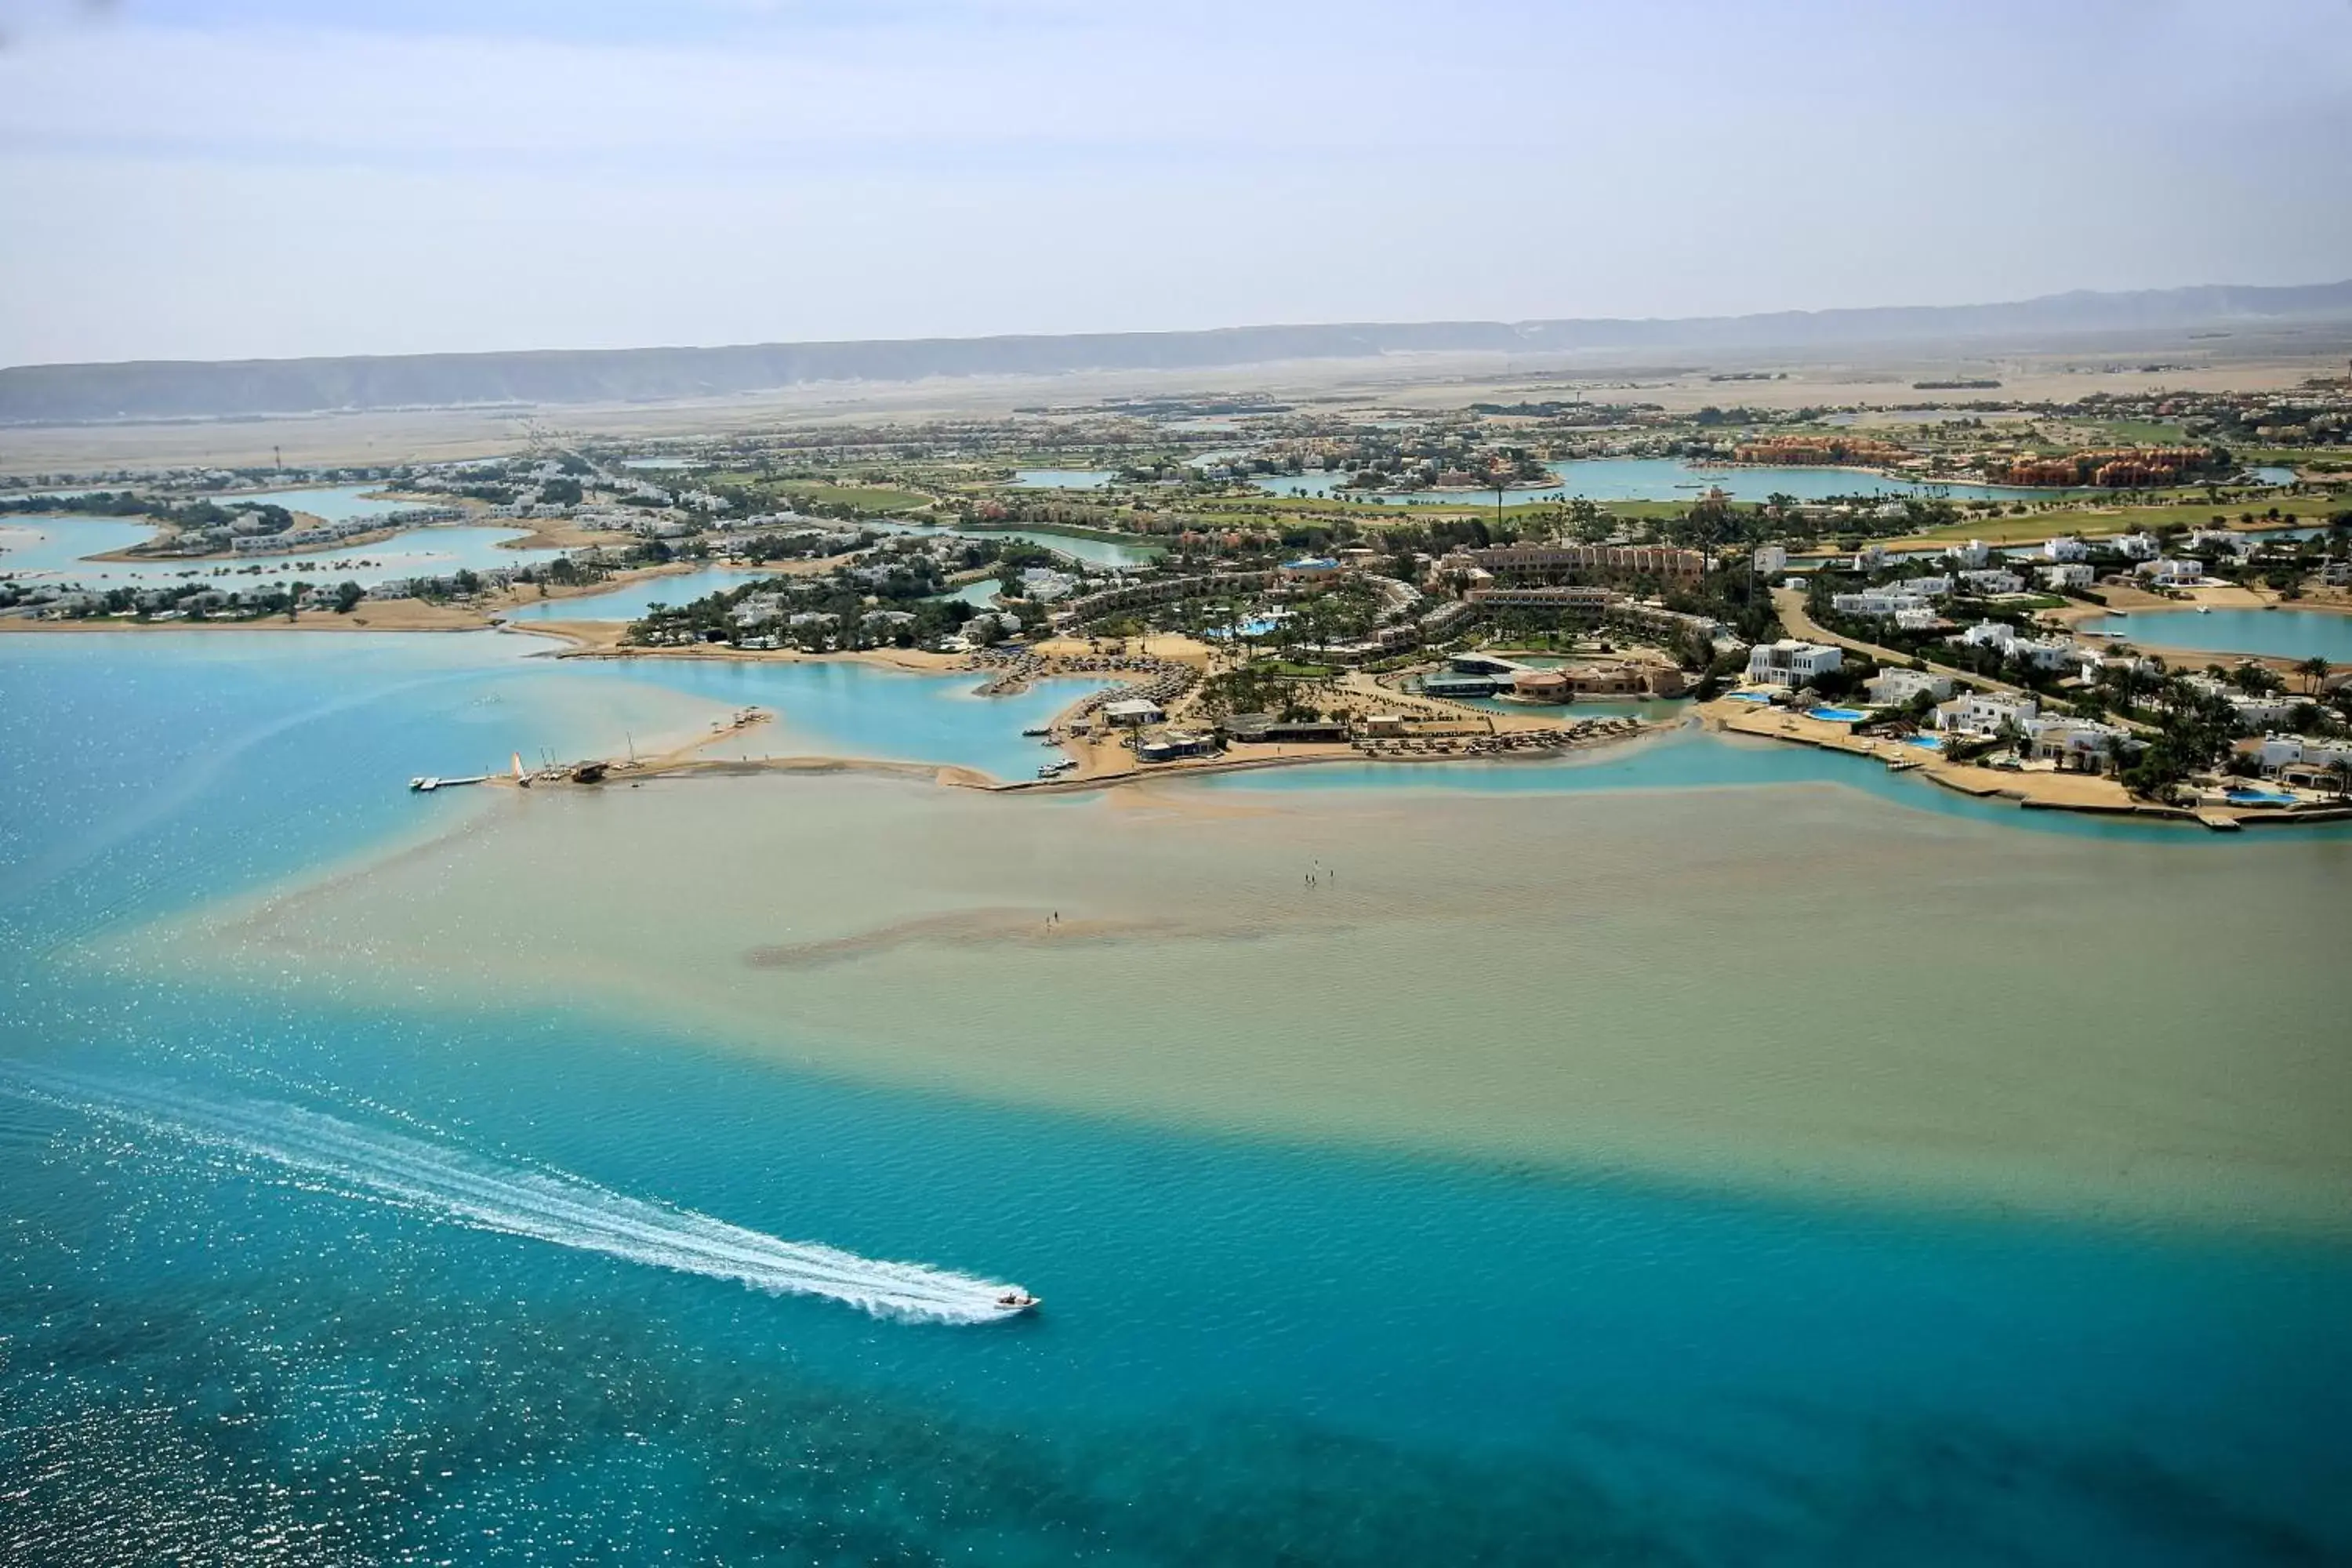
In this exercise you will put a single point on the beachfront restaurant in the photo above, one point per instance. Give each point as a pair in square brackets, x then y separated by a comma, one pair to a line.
[1132, 713]
[1175, 744]
[1458, 688]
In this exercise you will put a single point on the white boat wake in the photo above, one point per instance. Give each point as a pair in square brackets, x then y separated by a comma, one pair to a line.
[461, 1188]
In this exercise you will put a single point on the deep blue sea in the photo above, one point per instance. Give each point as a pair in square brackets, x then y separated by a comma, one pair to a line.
[1250, 1353]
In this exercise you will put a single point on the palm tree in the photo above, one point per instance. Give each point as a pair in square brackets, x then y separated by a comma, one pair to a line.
[2314, 671]
[2340, 770]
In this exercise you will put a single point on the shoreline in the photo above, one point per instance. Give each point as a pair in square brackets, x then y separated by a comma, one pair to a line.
[683, 762]
[2088, 795]
[141, 555]
[480, 614]
[2136, 604]
[142, 552]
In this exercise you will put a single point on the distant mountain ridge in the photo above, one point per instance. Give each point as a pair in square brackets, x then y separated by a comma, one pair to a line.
[181, 389]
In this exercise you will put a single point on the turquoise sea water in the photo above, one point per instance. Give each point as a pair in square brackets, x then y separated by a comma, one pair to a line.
[1250, 1353]
[2282, 634]
[853, 711]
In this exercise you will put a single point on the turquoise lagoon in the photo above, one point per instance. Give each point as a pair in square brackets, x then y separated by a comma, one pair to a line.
[1093, 552]
[630, 601]
[334, 504]
[2278, 634]
[1252, 1349]
[57, 548]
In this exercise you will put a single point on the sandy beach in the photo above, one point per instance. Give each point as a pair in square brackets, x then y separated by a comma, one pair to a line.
[1320, 968]
[2035, 789]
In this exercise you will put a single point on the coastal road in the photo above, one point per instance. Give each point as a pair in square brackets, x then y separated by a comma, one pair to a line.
[1791, 604]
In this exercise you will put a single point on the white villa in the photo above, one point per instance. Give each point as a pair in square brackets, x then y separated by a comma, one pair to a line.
[2299, 757]
[1986, 634]
[1770, 557]
[2069, 574]
[2174, 570]
[2065, 547]
[1893, 687]
[2042, 653]
[2254, 712]
[1877, 604]
[1994, 580]
[2077, 745]
[1791, 663]
[1983, 713]
[759, 609]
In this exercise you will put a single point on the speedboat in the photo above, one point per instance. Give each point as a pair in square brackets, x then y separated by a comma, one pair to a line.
[1018, 1301]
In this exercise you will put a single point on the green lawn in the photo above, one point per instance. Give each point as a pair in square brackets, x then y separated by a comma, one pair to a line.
[2105, 520]
[2326, 459]
[871, 500]
[2142, 432]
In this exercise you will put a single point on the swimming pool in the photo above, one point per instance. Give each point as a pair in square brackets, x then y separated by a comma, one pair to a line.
[1837, 715]
[1925, 742]
[1255, 627]
[2258, 797]
[1764, 697]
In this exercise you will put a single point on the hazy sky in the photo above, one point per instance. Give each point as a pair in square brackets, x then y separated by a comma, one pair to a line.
[224, 178]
